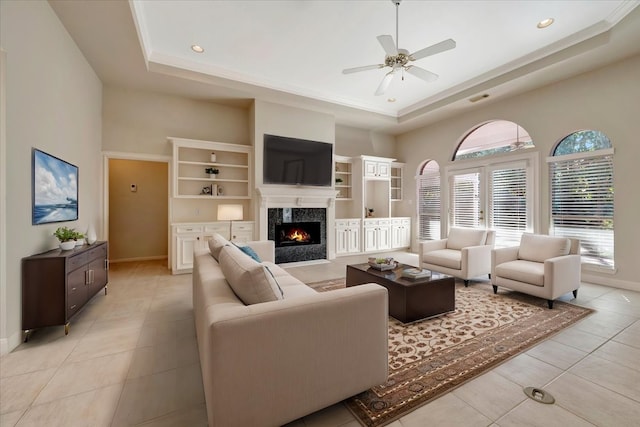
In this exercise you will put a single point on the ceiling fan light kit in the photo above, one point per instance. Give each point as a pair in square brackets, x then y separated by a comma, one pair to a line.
[398, 59]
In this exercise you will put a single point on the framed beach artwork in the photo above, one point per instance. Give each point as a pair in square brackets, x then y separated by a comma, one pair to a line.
[54, 189]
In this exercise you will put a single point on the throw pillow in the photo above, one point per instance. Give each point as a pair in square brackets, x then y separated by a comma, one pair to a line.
[249, 251]
[250, 281]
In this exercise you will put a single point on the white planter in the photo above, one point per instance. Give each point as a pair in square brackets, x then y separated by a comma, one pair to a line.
[66, 246]
[213, 157]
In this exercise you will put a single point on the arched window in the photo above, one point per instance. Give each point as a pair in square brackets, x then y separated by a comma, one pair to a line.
[428, 186]
[581, 176]
[495, 186]
[497, 136]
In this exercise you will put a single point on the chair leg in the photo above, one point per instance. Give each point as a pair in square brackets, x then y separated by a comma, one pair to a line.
[575, 293]
[495, 289]
[466, 283]
[550, 303]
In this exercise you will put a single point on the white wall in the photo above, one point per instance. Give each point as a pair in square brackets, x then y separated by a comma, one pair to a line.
[607, 100]
[53, 103]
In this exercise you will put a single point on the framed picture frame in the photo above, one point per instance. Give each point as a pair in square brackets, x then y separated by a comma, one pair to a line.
[54, 189]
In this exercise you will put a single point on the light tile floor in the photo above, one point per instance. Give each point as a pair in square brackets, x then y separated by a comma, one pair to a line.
[131, 359]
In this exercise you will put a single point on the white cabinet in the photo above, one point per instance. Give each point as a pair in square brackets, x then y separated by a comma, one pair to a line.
[347, 236]
[400, 233]
[377, 234]
[188, 237]
[396, 181]
[192, 159]
[377, 169]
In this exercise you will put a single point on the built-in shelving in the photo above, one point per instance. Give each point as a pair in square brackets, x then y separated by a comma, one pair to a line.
[396, 181]
[344, 178]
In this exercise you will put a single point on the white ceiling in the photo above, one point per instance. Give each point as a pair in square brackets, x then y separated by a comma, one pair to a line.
[294, 51]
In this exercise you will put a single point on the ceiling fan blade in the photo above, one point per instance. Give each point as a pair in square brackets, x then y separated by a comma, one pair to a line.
[432, 50]
[386, 41]
[384, 84]
[421, 73]
[365, 68]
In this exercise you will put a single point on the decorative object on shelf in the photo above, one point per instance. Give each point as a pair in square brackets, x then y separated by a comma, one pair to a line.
[230, 213]
[206, 190]
[370, 212]
[338, 180]
[67, 237]
[213, 157]
[213, 172]
[91, 235]
[220, 191]
[383, 264]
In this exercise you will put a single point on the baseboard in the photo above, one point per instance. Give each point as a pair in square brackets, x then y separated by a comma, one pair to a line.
[147, 258]
[303, 263]
[611, 282]
[8, 344]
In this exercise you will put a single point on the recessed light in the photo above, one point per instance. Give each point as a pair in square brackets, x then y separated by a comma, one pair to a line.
[391, 100]
[545, 23]
[197, 49]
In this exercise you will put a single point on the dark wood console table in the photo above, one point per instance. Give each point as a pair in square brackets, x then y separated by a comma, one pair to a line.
[57, 284]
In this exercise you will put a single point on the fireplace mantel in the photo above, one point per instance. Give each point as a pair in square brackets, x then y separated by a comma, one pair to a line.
[284, 197]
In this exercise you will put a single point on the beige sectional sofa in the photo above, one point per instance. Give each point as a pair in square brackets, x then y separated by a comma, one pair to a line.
[268, 363]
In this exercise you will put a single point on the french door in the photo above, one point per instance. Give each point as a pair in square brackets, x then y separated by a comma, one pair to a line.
[498, 196]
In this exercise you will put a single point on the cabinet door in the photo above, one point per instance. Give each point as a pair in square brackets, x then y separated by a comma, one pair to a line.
[341, 240]
[241, 232]
[384, 237]
[76, 291]
[185, 245]
[384, 170]
[370, 168]
[97, 273]
[353, 239]
[370, 239]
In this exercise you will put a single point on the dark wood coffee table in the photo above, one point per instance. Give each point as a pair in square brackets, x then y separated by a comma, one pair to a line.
[409, 299]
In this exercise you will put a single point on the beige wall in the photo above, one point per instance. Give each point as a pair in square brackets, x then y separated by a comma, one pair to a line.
[138, 221]
[355, 142]
[53, 102]
[606, 100]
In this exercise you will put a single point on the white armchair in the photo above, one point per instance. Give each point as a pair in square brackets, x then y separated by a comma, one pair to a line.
[542, 266]
[465, 253]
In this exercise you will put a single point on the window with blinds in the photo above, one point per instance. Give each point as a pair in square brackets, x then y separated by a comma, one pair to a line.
[508, 205]
[581, 175]
[429, 206]
[465, 200]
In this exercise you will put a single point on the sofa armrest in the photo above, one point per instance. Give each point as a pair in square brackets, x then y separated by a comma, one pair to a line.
[264, 248]
[299, 355]
[562, 274]
[502, 255]
[477, 259]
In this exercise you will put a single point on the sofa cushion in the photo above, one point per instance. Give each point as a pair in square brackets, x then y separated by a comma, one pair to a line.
[216, 243]
[522, 271]
[538, 248]
[463, 237]
[251, 281]
[291, 287]
[444, 257]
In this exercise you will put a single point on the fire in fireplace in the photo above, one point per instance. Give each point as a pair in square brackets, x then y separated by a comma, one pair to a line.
[297, 233]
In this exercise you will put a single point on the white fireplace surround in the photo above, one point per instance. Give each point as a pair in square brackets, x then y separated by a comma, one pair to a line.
[278, 196]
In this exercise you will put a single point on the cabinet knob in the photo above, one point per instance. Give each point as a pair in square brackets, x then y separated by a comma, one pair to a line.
[72, 307]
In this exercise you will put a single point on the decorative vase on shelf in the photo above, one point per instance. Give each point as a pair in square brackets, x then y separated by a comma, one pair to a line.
[213, 157]
[68, 245]
[91, 235]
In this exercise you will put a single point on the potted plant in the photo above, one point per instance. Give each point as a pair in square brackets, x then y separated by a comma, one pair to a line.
[338, 180]
[67, 237]
[212, 172]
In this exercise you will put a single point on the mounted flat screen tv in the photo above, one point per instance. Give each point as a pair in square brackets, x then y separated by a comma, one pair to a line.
[54, 192]
[297, 161]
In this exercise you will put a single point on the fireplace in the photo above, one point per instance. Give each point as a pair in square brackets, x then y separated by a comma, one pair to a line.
[298, 234]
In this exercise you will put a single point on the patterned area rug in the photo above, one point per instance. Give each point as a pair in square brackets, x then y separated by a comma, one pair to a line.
[431, 357]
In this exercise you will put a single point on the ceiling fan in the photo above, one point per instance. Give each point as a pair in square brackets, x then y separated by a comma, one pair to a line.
[398, 59]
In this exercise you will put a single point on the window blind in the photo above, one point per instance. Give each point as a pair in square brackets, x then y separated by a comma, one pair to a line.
[508, 205]
[429, 207]
[465, 200]
[582, 205]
